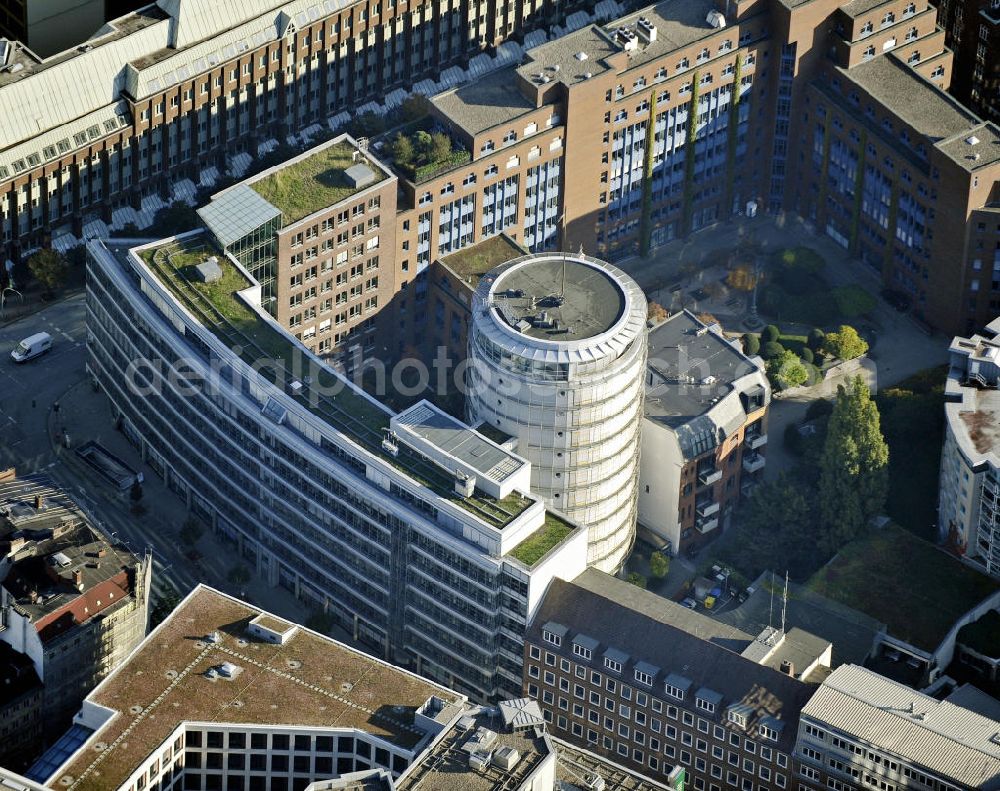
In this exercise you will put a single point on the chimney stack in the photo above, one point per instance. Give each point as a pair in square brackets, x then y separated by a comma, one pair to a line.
[38, 502]
[788, 668]
[78, 579]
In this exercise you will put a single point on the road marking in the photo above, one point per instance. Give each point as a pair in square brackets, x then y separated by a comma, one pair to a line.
[67, 336]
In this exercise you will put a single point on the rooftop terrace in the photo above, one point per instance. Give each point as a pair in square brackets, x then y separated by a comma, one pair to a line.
[255, 338]
[314, 181]
[310, 680]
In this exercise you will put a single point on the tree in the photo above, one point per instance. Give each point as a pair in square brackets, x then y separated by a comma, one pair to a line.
[786, 370]
[846, 344]
[818, 408]
[741, 277]
[816, 339]
[751, 344]
[659, 565]
[656, 313]
[174, 219]
[854, 467]
[191, 531]
[770, 334]
[49, 268]
[423, 143]
[163, 604]
[402, 150]
[771, 350]
[238, 574]
[440, 147]
[413, 108]
[776, 530]
[807, 355]
[636, 579]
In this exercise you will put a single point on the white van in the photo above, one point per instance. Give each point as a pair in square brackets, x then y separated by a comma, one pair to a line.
[31, 347]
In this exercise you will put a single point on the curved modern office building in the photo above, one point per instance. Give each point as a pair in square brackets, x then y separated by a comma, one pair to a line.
[557, 352]
[415, 533]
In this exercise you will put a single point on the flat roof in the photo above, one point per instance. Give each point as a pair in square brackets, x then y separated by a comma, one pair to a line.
[583, 298]
[315, 180]
[310, 680]
[569, 59]
[472, 262]
[446, 766]
[974, 699]
[335, 400]
[458, 440]
[918, 590]
[982, 423]
[678, 23]
[489, 101]
[858, 7]
[913, 99]
[940, 736]
[692, 367]
[574, 765]
[237, 212]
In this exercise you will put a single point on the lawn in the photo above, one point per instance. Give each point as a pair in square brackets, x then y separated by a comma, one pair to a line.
[913, 587]
[795, 290]
[913, 425]
[474, 261]
[312, 183]
[538, 544]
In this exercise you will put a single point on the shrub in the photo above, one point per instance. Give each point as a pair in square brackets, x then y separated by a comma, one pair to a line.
[770, 334]
[792, 439]
[636, 579]
[786, 370]
[656, 313]
[772, 349]
[846, 343]
[659, 565]
[49, 268]
[751, 343]
[815, 339]
[807, 355]
[818, 408]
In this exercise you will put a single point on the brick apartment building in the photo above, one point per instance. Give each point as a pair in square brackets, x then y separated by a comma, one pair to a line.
[972, 32]
[644, 681]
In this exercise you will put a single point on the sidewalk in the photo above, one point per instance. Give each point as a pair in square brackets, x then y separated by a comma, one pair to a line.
[86, 415]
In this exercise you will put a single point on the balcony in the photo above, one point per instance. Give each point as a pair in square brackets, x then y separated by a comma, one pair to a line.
[707, 477]
[706, 525]
[754, 441]
[752, 462]
[707, 508]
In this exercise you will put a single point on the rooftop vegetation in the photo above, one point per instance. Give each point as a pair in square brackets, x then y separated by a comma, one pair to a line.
[311, 184]
[537, 545]
[421, 155]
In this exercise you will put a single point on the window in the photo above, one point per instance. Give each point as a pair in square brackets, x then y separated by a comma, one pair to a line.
[551, 637]
[612, 665]
[581, 651]
[674, 692]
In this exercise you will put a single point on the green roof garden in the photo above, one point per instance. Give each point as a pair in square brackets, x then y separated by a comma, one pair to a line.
[536, 546]
[316, 181]
[474, 261]
[912, 586]
[257, 341]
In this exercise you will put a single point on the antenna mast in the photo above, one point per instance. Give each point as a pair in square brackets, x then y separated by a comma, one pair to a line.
[784, 602]
[770, 609]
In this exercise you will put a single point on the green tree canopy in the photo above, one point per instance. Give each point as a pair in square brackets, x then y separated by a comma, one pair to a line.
[846, 343]
[751, 343]
[786, 370]
[402, 150]
[854, 467]
[659, 565]
[777, 530]
[49, 268]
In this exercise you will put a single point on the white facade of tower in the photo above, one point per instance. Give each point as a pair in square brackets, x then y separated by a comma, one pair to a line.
[557, 353]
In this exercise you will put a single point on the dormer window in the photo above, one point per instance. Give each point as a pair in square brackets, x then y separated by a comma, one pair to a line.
[612, 665]
[550, 637]
[580, 651]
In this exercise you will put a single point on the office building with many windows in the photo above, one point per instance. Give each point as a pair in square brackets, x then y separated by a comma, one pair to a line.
[416, 533]
[969, 504]
[644, 681]
[862, 730]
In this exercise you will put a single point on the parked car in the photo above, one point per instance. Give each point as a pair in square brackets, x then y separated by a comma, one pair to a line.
[31, 347]
[690, 603]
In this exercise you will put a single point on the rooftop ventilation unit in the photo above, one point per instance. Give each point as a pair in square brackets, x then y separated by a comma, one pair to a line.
[715, 19]
[627, 38]
[646, 30]
[389, 444]
[581, 56]
[465, 484]
[972, 140]
[594, 782]
[506, 758]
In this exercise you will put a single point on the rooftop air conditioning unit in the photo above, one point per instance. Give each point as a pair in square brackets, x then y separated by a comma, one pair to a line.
[646, 30]
[715, 19]
[465, 484]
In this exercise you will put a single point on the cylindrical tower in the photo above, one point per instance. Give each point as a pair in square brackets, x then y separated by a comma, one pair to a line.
[557, 352]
